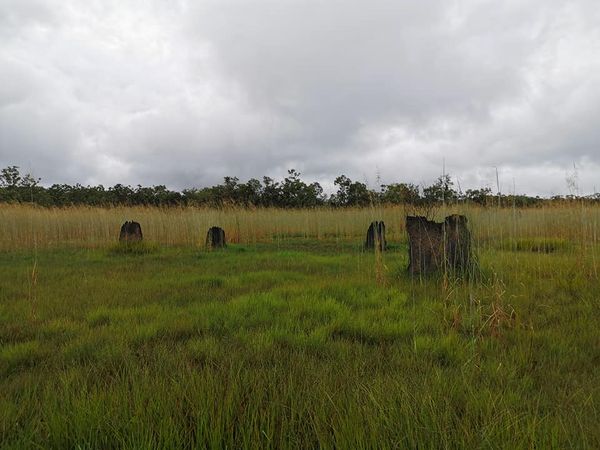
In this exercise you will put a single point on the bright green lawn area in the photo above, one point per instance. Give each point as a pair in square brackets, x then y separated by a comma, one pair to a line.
[296, 345]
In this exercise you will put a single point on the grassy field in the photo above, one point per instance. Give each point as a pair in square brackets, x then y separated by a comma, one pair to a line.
[23, 227]
[294, 337]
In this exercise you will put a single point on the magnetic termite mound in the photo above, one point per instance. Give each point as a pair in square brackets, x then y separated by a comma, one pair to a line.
[215, 238]
[131, 232]
[434, 246]
[376, 236]
[457, 243]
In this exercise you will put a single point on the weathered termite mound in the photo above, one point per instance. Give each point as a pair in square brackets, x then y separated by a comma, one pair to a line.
[425, 242]
[436, 246]
[376, 236]
[215, 238]
[131, 232]
[458, 243]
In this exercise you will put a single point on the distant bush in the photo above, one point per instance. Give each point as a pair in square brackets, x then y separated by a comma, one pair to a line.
[291, 192]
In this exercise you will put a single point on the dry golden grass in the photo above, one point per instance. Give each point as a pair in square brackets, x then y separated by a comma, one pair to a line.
[24, 226]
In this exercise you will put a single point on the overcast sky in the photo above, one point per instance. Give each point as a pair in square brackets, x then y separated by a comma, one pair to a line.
[183, 93]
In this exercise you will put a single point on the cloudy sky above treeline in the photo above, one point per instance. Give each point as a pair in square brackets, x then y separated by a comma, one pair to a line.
[183, 93]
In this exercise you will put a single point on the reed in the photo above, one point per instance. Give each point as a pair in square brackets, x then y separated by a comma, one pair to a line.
[24, 226]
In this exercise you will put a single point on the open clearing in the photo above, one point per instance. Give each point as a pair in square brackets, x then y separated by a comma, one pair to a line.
[300, 342]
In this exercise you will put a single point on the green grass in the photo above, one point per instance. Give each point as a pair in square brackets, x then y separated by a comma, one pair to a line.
[132, 248]
[537, 245]
[297, 344]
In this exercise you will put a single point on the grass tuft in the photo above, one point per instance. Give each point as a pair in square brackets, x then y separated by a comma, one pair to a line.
[536, 245]
[21, 356]
[133, 248]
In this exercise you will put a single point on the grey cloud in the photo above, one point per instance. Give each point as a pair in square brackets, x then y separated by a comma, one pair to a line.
[183, 93]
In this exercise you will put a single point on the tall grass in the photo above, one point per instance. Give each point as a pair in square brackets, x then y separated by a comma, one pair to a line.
[294, 337]
[24, 226]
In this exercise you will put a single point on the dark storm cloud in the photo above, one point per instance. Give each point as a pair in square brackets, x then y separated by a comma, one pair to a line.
[183, 93]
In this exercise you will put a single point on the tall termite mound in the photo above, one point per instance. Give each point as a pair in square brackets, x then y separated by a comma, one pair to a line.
[131, 232]
[434, 246]
[458, 243]
[376, 236]
[215, 238]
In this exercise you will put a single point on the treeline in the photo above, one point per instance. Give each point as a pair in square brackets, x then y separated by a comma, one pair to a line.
[291, 192]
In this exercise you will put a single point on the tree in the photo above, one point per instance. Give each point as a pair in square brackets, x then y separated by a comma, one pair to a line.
[295, 193]
[229, 192]
[479, 196]
[441, 191]
[292, 192]
[10, 177]
[120, 195]
[249, 193]
[17, 188]
[350, 193]
[400, 193]
[271, 192]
